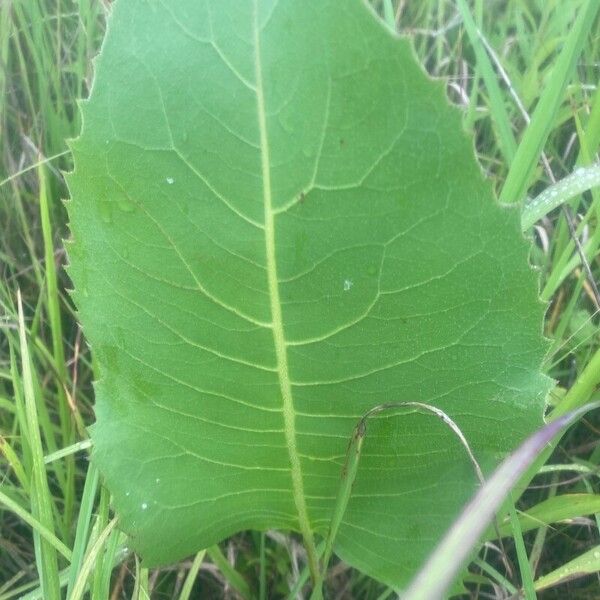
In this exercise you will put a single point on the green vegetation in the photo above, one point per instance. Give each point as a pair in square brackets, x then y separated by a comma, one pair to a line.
[506, 63]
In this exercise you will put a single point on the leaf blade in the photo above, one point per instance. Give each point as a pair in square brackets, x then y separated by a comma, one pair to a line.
[371, 246]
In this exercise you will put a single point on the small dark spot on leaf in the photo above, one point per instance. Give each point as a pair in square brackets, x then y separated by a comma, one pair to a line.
[342, 142]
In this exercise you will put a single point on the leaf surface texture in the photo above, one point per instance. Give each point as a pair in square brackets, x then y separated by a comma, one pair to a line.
[278, 223]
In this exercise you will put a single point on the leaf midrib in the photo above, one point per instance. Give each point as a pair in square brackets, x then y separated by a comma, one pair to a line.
[289, 414]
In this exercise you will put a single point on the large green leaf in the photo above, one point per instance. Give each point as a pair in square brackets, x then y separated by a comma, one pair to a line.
[278, 223]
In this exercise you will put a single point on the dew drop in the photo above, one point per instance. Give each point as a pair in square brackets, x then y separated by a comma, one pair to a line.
[348, 283]
[144, 505]
[157, 480]
[127, 493]
[170, 180]
[597, 554]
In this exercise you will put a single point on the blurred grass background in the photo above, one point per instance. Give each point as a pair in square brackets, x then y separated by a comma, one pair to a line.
[526, 73]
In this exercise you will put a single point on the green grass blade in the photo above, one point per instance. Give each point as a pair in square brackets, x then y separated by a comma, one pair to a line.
[84, 520]
[40, 499]
[68, 451]
[568, 261]
[555, 509]
[496, 575]
[304, 576]
[262, 576]
[25, 592]
[341, 502]
[90, 560]
[35, 524]
[582, 389]
[104, 568]
[15, 463]
[389, 17]
[591, 137]
[544, 117]
[140, 591]
[583, 179]
[499, 114]
[524, 567]
[20, 411]
[351, 467]
[231, 575]
[585, 564]
[53, 304]
[188, 584]
[53, 295]
[33, 166]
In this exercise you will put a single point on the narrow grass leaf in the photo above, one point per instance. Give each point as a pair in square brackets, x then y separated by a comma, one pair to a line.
[56, 329]
[35, 524]
[90, 560]
[84, 520]
[495, 575]
[543, 118]
[303, 576]
[262, 576]
[237, 582]
[350, 469]
[140, 591]
[68, 451]
[389, 16]
[41, 500]
[583, 388]
[104, 568]
[33, 590]
[583, 179]
[33, 166]
[498, 112]
[524, 567]
[343, 496]
[585, 564]
[553, 510]
[15, 463]
[190, 579]
[17, 383]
